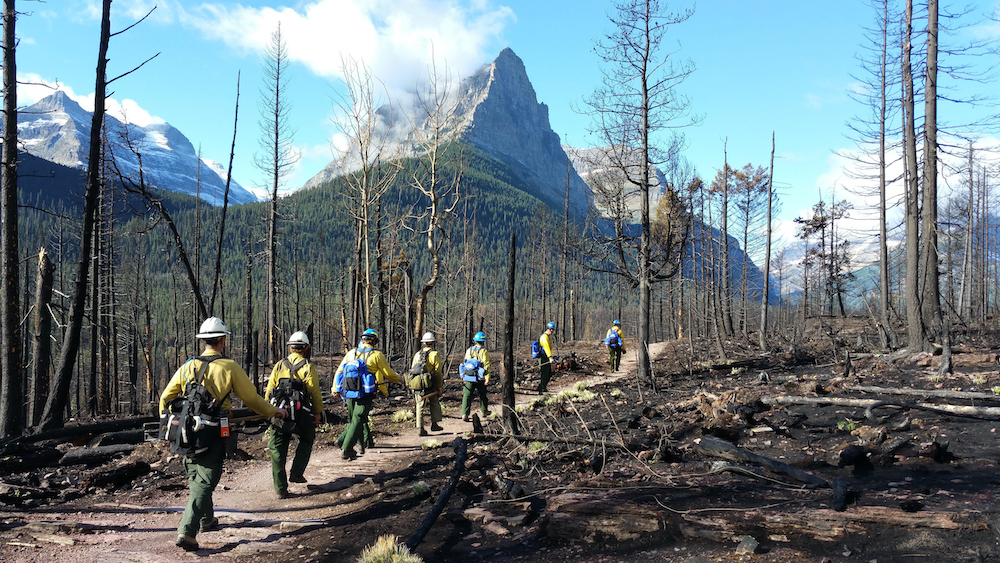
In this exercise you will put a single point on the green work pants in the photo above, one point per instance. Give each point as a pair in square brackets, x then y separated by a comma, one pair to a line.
[278, 443]
[357, 429]
[432, 402]
[545, 371]
[204, 471]
[614, 357]
[469, 389]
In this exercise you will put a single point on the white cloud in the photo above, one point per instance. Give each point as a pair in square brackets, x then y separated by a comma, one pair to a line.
[33, 87]
[397, 39]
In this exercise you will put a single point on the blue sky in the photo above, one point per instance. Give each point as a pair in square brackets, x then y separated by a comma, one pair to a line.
[763, 66]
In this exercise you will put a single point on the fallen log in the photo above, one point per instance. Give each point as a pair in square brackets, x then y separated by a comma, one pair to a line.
[984, 413]
[711, 446]
[821, 524]
[122, 437]
[461, 452]
[942, 393]
[25, 459]
[119, 476]
[93, 456]
[592, 516]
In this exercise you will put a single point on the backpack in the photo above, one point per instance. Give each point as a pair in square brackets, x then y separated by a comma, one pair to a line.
[358, 381]
[420, 377]
[536, 349]
[471, 369]
[192, 420]
[290, 394]
[613, 339]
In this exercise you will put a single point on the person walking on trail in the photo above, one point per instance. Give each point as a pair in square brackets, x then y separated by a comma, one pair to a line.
[204, 469]
[363, 372]
[615, 344]
[427, 370]
[475, 372]
[293, 383]
[545, 358]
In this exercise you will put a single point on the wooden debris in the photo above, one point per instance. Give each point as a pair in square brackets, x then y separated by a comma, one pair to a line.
[711, 446]
[52, 538]
[941, 393]
[820, 524]
[93, 456]
[591, 516]
[461, 452]
[118, 476]
[123, 437]
[986, 413]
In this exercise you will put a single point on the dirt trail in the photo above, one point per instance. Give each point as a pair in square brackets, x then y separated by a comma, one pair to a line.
[252, 519]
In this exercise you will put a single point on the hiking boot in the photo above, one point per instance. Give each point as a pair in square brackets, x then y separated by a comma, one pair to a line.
[423, 432]
[283, 494]
[361, 448]
[339, 443]
[465, 418]
[349, 455]
[187, 543]
[436, 427]
[210, 524]
[296, 479]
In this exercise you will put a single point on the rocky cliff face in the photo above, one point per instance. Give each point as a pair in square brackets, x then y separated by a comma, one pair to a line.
[498, 112]
[508, 123]
[57, 129]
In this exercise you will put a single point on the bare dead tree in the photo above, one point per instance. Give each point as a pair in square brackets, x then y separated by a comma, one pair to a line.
[639, 99]
[436, 177]
[276, 159]
[367, 164]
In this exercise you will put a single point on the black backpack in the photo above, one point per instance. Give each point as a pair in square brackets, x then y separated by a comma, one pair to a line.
[192, 419]
[291, 395]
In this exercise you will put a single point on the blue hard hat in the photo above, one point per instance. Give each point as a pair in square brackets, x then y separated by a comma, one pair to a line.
[550, 325]
[617, 322]
[479, 337]
[370, 333]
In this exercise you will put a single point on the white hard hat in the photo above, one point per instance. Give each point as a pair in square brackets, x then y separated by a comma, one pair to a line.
[428, 337]
[213, 327]
[298, 338]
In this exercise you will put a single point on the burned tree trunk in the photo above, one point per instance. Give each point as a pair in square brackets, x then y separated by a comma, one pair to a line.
[42, 348]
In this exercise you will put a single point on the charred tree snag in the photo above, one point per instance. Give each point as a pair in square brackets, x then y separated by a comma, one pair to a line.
[461, 452]
[509, 414]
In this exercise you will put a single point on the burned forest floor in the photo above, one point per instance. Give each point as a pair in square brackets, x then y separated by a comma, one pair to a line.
[821, 452]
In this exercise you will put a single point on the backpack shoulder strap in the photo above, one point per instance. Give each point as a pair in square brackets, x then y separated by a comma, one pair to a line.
[295, 369]
[202, 370]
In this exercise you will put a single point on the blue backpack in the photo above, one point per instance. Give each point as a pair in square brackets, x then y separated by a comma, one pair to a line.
[358, 381]
[536, 349]
[613, 339]
[472, 369]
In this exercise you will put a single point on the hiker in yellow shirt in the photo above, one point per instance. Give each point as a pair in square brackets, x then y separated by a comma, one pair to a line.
[428, 360]
[357, 382]
[545, 359]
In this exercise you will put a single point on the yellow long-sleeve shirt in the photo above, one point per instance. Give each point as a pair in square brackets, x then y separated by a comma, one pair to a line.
[482, 354]
[377, 365]
[546, 342]
[222, 376]
[434, 366]
[310, 380]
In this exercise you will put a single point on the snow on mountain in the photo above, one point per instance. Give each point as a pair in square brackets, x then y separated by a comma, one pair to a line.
[57, 129]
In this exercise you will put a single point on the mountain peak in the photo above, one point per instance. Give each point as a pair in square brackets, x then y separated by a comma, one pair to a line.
[57, 129]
